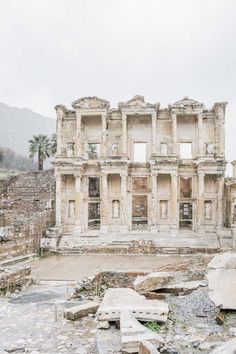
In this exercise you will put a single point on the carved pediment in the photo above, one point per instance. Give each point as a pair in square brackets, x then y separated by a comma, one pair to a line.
[187, 103]
[136, 102]
[90, 103]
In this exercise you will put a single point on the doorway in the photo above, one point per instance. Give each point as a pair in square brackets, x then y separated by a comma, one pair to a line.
[139, 212]
[93, 216]
[185, 216]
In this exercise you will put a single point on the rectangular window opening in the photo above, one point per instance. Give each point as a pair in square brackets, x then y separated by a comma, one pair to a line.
[140, 153]
[94, 187]
[93, 151]
[185, 187]
[93, 216]
[186, 150]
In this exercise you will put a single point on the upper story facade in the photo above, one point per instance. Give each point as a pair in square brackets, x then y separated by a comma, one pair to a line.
[140, 132]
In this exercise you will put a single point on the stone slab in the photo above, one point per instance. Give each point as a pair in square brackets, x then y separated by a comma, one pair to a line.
[152, 281]
[227, 348]
[133, 332]
[185, 287]
[225, 260]
[146, 347]
[222, 288]
[82, 310]
[108, 341]
[120, 299]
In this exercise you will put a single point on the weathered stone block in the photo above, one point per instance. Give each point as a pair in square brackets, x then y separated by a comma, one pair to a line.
[146, 347]
[79, 311]
[125, 299]
[152, 281]
[133, 332]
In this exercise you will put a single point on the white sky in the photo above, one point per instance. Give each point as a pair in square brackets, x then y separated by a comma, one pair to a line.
[54, 51]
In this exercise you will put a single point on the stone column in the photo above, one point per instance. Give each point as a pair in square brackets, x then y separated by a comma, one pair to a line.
[200, 142]
[124, 206]
[201, 209]
[154, 133]
[78, 205]
[60, 111]
[174, 133]
[154, 204]
[234, 168]
[220, 127]
[124, 134]
[58, 198]
[174, 203]
[220, 203]
[104, 204]
[78, 133]
[104, 134]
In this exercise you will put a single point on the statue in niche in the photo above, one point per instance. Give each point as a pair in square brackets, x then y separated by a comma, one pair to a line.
[164, 210]
[70, 149]
[114, 149]
[208, 210]
[115, 208]
[71, 209]
[209, 149]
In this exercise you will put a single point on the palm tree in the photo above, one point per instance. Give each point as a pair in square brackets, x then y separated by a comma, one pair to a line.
[40, 145]
[53, 144]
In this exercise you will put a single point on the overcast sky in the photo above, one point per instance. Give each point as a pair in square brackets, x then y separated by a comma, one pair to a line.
[54, 51]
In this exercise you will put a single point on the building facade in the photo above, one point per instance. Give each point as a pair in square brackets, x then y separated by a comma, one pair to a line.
[140, 167]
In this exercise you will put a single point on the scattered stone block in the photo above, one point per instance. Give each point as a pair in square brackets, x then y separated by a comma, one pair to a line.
[132, 333]
[124, 299]
[108, 341]
[152, 281]
[82, 310]
[227, 348]
[185, 287]
[222, 281]
[103, 325]
[146, 347]
[223, 261]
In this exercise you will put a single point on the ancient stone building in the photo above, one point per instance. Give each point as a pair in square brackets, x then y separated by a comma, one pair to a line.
[140, 168]
[27, 209]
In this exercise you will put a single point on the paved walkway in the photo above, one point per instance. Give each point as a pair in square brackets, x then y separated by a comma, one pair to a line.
[61, 267]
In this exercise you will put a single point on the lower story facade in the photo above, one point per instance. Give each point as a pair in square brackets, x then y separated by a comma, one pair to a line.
[120, 197]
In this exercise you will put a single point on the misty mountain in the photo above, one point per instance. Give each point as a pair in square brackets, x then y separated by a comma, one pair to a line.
[18, 125]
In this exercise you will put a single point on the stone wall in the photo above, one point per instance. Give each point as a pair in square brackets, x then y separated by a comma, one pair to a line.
[27, 204]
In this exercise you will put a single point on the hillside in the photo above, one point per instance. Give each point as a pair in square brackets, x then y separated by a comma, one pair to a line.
[18, 125]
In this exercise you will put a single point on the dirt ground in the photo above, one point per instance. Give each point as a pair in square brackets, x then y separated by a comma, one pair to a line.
[74, 267]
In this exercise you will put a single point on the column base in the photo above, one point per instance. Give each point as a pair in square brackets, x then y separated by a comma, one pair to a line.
[153, 228]
[124, 229]
[103, 229]
[173, 230]
[77, 230]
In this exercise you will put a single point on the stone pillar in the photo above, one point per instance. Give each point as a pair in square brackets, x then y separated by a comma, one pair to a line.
[220, 196]
[234, 168]
[220, 127]
[201, 209]
[104, 204]
[124, 206]
[200, 141]
[124, 134]
[174, 133]
[154, 204]
[60, 110]
[154, 134]
[78, 205]
[58, 198]
[174, 203]
[78, 133]
[104, 134]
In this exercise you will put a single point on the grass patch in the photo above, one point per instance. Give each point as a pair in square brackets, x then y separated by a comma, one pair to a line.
[153, 326]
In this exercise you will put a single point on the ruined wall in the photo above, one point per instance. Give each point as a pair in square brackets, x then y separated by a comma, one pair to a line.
[27, 205]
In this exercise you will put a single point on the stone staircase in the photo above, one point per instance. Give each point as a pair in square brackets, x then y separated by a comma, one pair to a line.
[134, 243]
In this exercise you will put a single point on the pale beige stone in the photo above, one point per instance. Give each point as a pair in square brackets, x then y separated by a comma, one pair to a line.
[146, 347]
[152, 281]
[133, 332]
[227, 348]
[124, 299]
[73, 313]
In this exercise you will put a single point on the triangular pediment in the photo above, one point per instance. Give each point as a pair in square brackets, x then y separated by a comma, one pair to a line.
[136, 102]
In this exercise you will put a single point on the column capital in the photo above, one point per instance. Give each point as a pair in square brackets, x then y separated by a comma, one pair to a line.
[201, 173]
[174, 173]
[124, 116]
